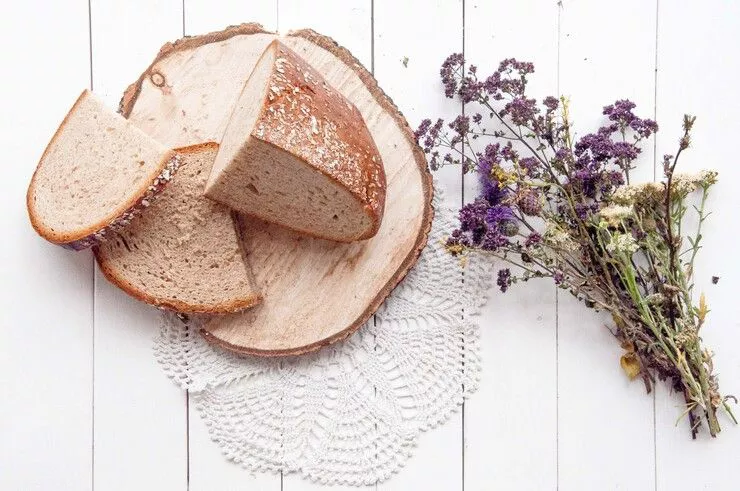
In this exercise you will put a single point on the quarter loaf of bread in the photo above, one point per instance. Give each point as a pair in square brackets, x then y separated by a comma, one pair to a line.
[297, 153]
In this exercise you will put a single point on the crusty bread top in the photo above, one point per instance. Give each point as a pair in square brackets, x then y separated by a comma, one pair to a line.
[97, 171]
[303, 115]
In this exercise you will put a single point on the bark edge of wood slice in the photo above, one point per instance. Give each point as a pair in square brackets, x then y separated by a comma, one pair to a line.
[316, 292]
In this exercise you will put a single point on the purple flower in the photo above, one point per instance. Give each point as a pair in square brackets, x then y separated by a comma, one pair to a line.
[473, 216]
[531, 165]
[491, 189]
[508, 153]
[621, 113]
[521, 110]
[492, 85]
[559, 277]
[644, 127]
[563, 155]
[460, 125]
[584, 210]
[600, 146]
[551, 103]
[504, 279]
[533, 239]
[450, 71]
[616, 178]
[625, 150]
[470, 89]
[498, 214]
[429, 133]
[493, 240]
[492, 154]
[422, 129]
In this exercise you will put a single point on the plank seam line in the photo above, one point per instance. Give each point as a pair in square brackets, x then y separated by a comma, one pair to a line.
[92, 272]
[375, 319]
[559, 7]
[462, 277]
[282, 436]
[655, 175]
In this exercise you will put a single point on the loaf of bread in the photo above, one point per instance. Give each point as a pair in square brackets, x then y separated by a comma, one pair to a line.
[96, 173]
[183, 252]
[297, 153]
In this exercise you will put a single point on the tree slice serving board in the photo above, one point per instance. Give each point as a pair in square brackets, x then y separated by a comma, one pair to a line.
[316, 292]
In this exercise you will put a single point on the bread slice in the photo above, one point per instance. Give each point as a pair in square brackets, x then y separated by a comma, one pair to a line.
[183, 252]
[96, 173]
[297, 153]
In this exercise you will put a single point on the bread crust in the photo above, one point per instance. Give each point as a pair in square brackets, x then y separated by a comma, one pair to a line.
[304, 116]
[170, 304]
[118, 218]
[129, 98]
[174, 305]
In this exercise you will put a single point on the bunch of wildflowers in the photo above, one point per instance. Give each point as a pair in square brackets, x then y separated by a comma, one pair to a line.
[551, 206]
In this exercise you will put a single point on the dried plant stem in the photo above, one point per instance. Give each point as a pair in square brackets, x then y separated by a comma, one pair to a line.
[613, 245]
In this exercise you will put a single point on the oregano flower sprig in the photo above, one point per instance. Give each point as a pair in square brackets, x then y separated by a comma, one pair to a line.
[552, 206]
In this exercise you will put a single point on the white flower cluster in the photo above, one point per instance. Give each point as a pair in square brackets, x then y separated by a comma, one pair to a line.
[622, 243]
[707, 177]
[613, 215]
[559, 238]
[653, 192]
[683, 184]
[645, 193]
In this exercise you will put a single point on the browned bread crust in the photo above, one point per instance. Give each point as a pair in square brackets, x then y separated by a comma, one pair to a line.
[114, 277]
[132, 92]
[118, 218]
[306, 117]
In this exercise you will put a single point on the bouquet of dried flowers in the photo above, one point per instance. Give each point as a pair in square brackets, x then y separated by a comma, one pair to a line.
[553, 207]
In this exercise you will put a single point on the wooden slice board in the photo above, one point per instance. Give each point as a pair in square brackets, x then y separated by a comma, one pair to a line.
[316, 292]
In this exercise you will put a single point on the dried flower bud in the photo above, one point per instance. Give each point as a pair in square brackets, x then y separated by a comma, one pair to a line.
[669, 290]
[655, 299]
[530, 202]
[509, 228]
[649, 224]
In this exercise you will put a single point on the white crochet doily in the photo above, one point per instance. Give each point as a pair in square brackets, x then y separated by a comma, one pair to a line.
[350, 413]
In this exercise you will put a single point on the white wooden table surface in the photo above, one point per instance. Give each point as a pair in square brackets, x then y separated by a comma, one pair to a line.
[85, 406]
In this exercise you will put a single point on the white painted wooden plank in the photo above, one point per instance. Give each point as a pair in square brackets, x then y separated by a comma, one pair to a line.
[510, 425]
[209, 469]
[203, 16]
[423, 33]
[140, 424]
[348, 23]
[400, 36]
[46, 292]
[698, 69]
[603, 417]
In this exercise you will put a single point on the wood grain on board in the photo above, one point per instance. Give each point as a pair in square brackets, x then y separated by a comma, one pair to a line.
[316, 292]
